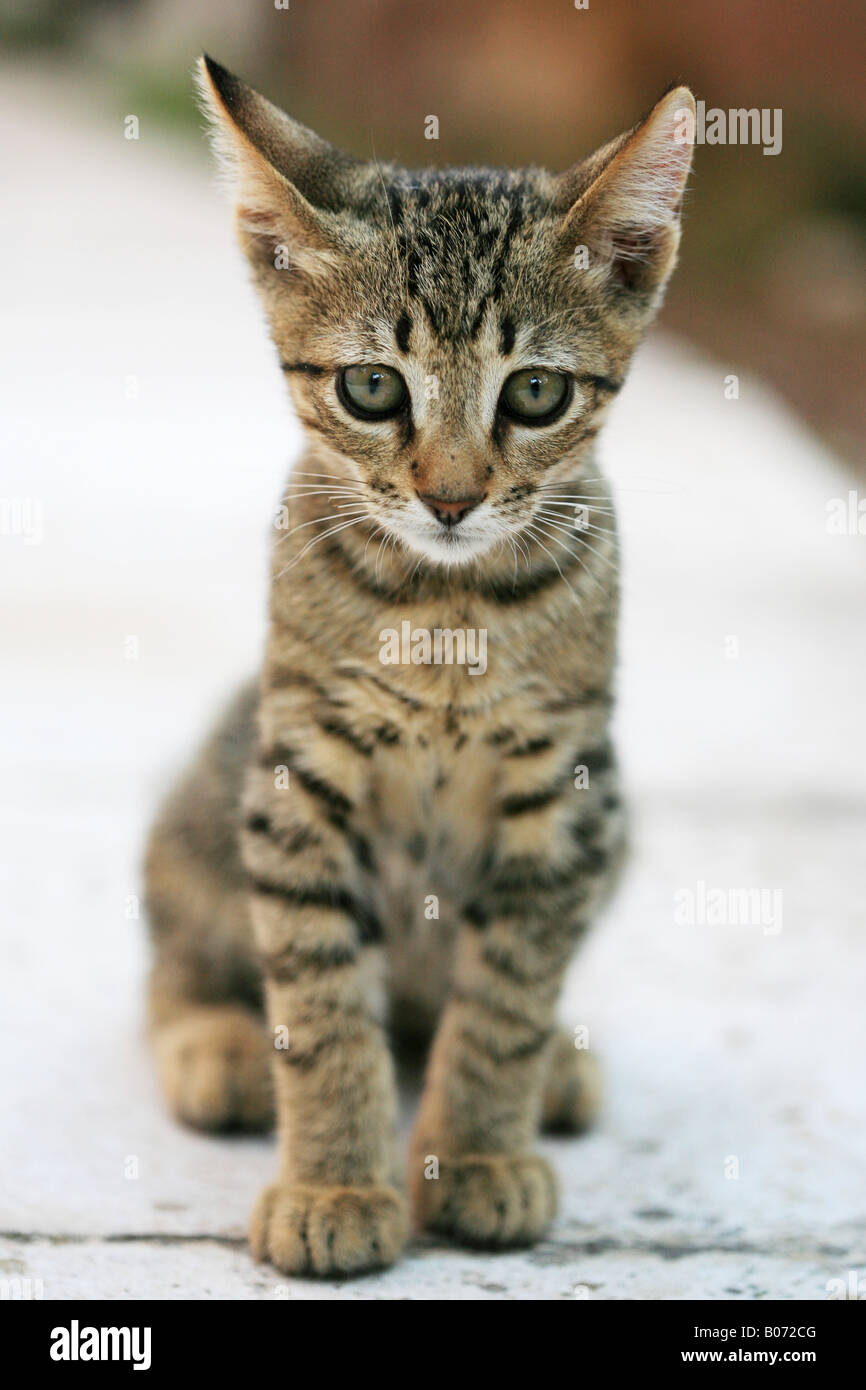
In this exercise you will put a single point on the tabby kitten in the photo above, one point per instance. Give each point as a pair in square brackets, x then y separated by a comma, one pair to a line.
[404, 828]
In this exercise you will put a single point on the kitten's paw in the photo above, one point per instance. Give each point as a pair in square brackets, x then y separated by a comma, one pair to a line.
[572, 1091]
[213, 1063]
[329, 1230]
[488, 1200]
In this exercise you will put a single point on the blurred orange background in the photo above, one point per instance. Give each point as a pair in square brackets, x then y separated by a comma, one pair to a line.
[773, 269]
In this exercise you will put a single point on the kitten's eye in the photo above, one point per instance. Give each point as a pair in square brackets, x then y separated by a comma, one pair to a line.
[535, 395]
[373, 393]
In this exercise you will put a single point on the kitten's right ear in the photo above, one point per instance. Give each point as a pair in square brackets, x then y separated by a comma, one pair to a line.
[625, 201]
[288, 184]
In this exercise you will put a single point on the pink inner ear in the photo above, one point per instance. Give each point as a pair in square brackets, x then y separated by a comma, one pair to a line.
[262, 226]
[670, 172]
[264, 237]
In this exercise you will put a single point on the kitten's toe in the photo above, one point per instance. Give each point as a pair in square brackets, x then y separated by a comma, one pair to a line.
[329, 1230]
[572, 1091]
[214, 1068]
[491, 1201]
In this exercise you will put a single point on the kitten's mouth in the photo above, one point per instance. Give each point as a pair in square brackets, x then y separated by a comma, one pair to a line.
[446, 541]
[449, 545]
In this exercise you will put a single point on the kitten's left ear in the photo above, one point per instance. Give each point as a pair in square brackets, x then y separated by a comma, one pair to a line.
[624, 202]
[289, 185]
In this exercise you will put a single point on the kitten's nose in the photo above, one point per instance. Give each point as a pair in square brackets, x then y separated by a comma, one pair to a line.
[450, 512]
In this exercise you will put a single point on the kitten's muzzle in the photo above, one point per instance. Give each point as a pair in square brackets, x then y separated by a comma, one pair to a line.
[450, 511]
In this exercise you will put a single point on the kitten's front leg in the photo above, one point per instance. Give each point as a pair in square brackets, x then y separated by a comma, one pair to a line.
[473, 1174]
[333, 1209]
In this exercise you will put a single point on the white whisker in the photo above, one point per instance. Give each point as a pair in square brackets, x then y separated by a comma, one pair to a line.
[372, 536]
[561, 500]
[333, 516]
[315, 541]
[541, 544]
[574, 529]
[576, 535]
[575, 556]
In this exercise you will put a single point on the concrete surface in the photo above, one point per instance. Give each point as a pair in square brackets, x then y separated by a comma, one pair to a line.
[144, 419]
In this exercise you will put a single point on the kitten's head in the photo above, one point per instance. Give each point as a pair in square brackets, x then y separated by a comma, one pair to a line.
[453, 337]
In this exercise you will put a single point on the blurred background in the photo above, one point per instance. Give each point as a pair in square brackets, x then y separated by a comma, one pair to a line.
[773, 273]
[145, 435]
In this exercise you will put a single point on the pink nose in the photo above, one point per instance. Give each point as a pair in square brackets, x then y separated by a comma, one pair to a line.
[449, 512]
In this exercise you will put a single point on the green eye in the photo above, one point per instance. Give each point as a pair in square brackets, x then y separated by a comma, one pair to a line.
[371, 392]
[535, 395]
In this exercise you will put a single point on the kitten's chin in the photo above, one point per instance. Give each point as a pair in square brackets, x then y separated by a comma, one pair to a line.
[450, 548]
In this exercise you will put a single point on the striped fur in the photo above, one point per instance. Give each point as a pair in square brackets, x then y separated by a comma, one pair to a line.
[371, 852]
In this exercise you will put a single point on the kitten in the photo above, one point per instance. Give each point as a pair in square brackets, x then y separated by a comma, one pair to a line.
[387, 837]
